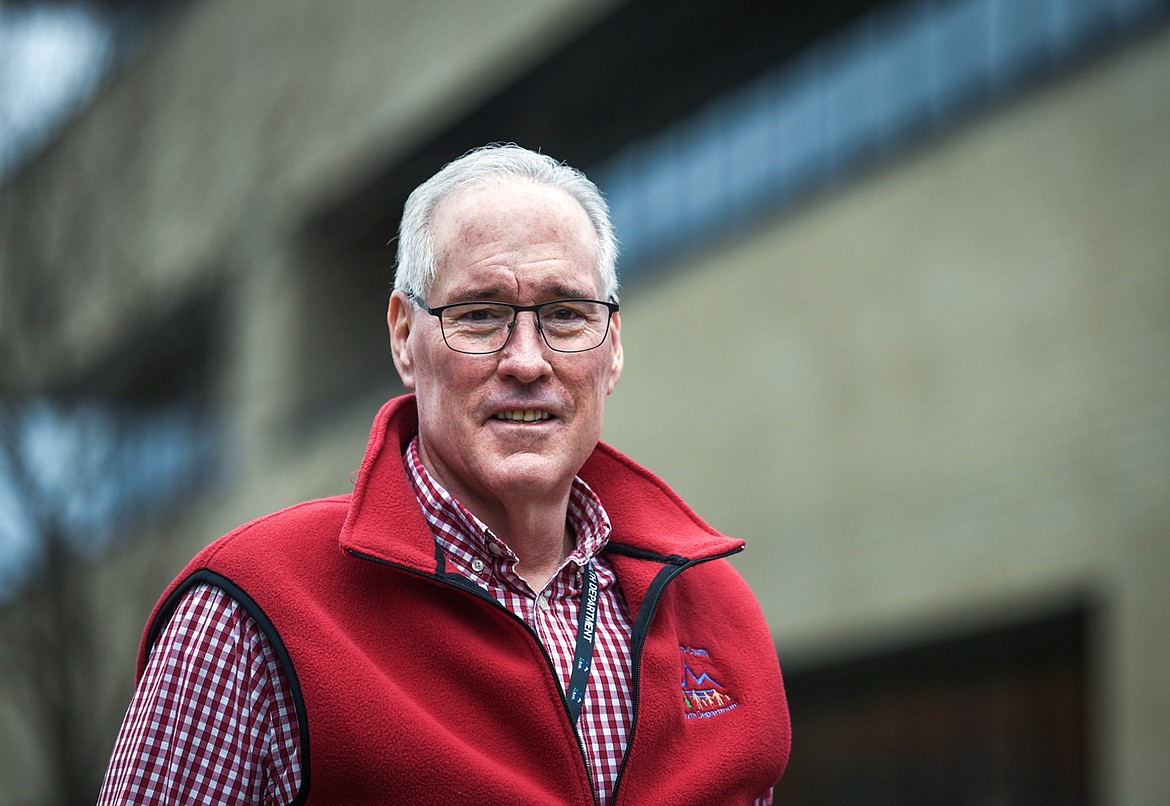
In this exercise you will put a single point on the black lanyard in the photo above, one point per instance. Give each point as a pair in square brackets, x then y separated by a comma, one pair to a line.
[583, 654]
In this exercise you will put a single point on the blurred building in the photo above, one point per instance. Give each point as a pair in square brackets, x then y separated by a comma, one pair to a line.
[896, 310]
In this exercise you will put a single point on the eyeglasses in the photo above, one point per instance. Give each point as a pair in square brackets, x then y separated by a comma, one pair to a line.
[567, 325]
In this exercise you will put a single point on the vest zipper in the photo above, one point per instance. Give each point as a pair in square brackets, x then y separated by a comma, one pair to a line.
[475, 590]
[638, 643]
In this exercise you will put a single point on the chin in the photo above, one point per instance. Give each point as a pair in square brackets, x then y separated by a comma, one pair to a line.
[530, 471]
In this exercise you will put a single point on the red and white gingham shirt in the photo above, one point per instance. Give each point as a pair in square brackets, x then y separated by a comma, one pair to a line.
[212, 719]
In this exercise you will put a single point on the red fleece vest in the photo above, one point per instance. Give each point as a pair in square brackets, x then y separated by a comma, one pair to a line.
[411, 686]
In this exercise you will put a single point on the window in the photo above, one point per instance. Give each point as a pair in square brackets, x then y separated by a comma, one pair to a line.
[880, 84]
[998, 716]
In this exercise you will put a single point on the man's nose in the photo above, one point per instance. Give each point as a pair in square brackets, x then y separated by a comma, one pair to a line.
[525, 355]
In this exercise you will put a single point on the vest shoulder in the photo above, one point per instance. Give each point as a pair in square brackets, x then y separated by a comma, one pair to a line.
[719, 577]
[319, 519]
[717, 588]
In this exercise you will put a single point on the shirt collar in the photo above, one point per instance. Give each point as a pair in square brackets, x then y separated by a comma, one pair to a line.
[457, 527]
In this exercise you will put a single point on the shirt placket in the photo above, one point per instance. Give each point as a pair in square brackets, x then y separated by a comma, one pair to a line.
[547, 603]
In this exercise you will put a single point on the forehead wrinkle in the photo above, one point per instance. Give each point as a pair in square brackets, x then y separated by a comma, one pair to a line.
[546, 278]
[484, 282]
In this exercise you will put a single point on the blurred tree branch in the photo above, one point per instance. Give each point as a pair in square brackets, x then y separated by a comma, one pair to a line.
[49, 649]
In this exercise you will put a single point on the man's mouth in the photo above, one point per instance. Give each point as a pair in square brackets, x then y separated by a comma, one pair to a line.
[523, 415]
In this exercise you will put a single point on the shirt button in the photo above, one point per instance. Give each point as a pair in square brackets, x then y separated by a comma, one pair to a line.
[495, 549]
[477, 565]
[542, 602]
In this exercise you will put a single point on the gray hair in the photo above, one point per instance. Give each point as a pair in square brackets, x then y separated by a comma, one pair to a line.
[416, 267]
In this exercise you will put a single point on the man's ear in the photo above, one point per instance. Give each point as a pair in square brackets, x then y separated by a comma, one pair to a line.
[615, 335]
[398, 319]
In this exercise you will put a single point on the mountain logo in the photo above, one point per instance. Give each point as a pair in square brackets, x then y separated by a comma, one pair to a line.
[703, 695]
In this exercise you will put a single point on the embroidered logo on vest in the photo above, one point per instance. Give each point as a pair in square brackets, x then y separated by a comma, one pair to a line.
[703, 695]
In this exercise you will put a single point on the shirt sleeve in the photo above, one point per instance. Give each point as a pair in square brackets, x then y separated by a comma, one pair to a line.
[212, 720]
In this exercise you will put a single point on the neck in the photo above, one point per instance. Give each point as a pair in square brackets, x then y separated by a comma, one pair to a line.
[532, 522]
[539, 536]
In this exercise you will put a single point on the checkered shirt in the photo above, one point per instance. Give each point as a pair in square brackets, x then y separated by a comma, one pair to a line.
[212, 720]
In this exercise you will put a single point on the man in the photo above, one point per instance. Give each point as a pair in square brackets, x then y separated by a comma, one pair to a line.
[503, 610]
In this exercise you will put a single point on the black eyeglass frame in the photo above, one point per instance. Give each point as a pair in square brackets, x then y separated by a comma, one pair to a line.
[516, 311]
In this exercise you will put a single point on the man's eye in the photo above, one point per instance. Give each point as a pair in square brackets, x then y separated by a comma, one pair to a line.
[563, 313]
[479, 315]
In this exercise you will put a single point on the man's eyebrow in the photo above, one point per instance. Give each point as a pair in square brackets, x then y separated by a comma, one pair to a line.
[565, 292]
[551, 292]
[469, 294]
[558, 290]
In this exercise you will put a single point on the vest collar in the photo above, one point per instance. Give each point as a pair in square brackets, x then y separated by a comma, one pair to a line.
[384, 519]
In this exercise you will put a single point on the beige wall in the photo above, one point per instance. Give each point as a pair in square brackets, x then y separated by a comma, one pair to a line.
[943, 394]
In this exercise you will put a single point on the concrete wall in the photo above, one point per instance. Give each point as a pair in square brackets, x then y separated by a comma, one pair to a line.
[943, 395]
